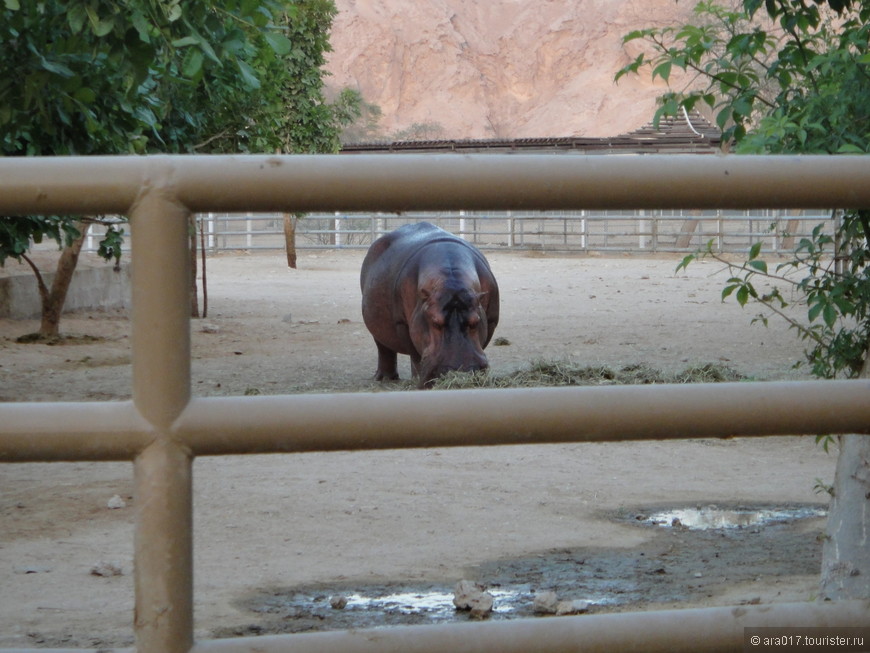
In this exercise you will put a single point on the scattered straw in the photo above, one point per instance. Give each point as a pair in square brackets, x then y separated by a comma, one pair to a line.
[544, 373]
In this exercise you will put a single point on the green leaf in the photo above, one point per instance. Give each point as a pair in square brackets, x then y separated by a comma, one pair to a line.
[76, 18]
[248, 74]
[175, 13]
[85, 95]
[685, 263]
[761, 266]
[13, 5]
[185, 41]
[829, 314]
[192, 64]
[57, 68]
[663, 70]
[98, 26]
[279, 43]
[754, 250]
[143, 27]
[743, 295]
[636, 34]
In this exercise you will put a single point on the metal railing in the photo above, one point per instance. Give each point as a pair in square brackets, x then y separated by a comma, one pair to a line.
[640, 231]
[163, 427]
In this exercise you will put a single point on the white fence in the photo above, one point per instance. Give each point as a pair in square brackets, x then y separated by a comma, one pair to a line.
[641, 231]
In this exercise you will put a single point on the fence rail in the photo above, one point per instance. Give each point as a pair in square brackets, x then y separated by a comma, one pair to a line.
[163, 428]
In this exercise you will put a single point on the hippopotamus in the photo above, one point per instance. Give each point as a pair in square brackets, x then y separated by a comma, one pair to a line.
[431, 295]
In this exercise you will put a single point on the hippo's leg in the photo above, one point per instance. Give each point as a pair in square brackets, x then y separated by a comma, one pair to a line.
[387, 368]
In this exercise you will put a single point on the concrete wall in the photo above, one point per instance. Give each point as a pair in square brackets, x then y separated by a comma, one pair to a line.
[92, 287]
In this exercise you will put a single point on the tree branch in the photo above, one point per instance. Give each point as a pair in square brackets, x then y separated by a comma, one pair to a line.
[40, 282]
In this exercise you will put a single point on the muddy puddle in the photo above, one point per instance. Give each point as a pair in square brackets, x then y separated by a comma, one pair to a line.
[692, 554]
[714, 517]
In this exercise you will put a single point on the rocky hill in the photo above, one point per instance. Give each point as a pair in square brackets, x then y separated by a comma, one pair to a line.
[497, 68]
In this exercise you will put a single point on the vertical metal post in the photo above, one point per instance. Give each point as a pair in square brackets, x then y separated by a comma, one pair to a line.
[163, 543]
[163, 539]
[510, 228]
[641, 230]
[212, 241]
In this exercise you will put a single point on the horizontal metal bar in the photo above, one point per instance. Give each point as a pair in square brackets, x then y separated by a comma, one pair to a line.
[69, 650]
[713, 630]
[45, 432]
[329, 422]
[205, 183]
[502, 216]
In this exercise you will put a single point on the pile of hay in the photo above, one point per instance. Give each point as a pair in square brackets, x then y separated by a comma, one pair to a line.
[561, 372]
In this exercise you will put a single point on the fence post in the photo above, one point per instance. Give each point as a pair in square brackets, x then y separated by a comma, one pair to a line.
[212, 241]
[163, 574]
[510, 226]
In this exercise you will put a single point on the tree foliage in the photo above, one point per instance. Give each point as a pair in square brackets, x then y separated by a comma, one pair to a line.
[793, 78]
[138, 76]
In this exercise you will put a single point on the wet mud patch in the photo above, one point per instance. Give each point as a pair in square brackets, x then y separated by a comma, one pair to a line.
[58, 339]
[676, 565]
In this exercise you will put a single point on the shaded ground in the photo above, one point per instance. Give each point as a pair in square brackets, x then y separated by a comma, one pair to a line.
[542, 517]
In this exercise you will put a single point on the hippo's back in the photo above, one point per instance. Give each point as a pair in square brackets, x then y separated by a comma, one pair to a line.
[389, 253]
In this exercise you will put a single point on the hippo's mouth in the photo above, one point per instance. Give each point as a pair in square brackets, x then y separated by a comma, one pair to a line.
[430, 374]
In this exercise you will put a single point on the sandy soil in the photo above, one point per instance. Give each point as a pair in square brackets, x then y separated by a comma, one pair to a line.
[538, 517]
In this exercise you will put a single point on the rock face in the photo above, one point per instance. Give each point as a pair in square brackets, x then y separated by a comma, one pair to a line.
[499, 68]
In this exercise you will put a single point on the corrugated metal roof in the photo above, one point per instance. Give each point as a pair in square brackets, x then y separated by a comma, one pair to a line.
[687, 133]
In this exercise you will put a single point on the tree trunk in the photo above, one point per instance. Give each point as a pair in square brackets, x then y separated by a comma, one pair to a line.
[846, 549]
[290, 238]
[54, 300]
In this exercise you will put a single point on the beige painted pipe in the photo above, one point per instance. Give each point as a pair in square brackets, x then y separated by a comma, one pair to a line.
[328, 422]
[163, 539]
[434, 182]
[232, 425]
[712, 630]
[163, 545]
[47, 432]
[161, 306]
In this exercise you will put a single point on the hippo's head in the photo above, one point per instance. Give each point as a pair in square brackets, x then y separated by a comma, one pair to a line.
[450, 328]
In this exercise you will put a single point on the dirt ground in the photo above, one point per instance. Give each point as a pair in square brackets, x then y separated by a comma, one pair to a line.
[277, 535]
